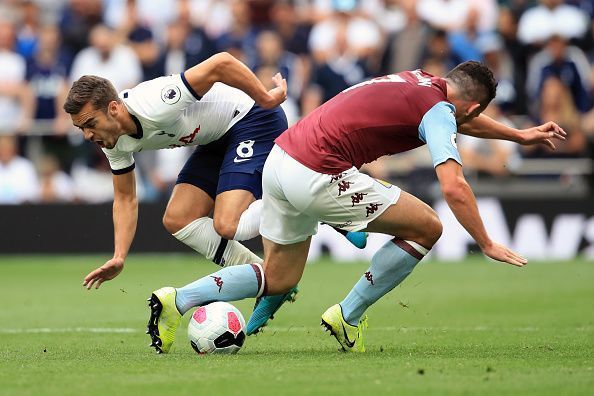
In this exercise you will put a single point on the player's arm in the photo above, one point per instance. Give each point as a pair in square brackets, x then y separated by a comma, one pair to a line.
[485, 127]
[225, 68]
[125, 216]
[460, 198]
[438, 130]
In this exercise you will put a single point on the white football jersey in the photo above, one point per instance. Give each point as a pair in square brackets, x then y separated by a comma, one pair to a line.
[168, 114]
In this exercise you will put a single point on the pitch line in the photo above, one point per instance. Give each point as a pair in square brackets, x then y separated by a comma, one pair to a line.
[272, 329]
[71, 330]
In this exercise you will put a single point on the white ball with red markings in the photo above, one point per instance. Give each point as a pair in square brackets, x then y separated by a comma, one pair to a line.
[217, 327]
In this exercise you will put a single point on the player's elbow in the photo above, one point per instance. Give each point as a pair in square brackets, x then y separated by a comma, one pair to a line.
[220, 63]
[455, 191]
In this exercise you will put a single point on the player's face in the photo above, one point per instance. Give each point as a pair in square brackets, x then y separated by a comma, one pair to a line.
[97, 126]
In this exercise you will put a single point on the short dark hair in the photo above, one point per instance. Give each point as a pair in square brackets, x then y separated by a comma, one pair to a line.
[97, 90]
[475, 82]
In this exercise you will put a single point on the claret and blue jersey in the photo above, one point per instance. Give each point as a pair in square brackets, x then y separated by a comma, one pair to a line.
[383, 116]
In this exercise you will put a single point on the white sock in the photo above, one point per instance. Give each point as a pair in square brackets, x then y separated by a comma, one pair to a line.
[249, 222]
[201, 236]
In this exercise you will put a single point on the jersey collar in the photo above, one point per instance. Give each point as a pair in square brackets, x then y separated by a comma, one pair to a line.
[139, 131]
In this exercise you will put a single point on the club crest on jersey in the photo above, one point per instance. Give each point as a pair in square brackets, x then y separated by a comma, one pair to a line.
[170, 94]
[453, 140]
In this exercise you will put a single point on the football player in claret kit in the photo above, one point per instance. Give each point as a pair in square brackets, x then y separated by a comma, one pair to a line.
[312, 175]
[218, 105]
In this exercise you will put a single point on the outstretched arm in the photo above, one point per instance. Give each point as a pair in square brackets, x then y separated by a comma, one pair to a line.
[461, 200]
[485, 127]
[225, 68]
[125, 216]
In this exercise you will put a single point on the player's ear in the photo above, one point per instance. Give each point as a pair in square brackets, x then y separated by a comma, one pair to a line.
[472, 108]
[112, 108]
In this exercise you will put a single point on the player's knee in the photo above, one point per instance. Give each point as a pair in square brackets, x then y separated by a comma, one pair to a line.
[433, 231]
[173, 223]
[225, 227]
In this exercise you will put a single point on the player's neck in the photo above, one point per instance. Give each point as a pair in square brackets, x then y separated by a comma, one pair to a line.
[127, 124]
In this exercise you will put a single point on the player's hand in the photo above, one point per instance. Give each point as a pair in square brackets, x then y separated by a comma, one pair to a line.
[276, 95]
[542, 134]
[107, 271]
[501, 253]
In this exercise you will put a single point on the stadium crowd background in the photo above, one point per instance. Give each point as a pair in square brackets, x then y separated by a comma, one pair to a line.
[540, 51]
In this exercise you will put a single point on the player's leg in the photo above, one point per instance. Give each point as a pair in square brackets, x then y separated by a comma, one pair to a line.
[416, 228]
[191, 202]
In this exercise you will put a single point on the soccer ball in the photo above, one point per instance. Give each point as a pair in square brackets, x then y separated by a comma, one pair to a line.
[218, 327]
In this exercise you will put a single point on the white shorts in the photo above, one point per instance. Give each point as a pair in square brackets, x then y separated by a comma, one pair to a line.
[295, 198]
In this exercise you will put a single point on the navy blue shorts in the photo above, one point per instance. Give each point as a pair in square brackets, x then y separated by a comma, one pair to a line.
[236, 160]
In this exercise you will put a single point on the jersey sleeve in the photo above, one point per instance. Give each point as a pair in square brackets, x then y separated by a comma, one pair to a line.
[438, 129]
[161, 100]
[120, 162]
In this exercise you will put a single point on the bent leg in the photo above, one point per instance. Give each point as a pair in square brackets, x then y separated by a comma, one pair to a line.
[283, 265]
[186, 218]
[283, 268]
[187, 203]
[416, 228]
[234, 207]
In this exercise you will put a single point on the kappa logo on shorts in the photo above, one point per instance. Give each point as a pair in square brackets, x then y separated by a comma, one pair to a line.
[343, 186]
[358, 197]
[372, 208]
[369, 277]
[170, 94]
[334, 178]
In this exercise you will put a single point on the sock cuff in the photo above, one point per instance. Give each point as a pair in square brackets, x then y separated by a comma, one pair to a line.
[260, 277]
[248, 226]
[412, 248]
[188, 229]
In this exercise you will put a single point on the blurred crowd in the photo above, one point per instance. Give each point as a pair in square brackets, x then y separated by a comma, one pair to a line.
[541, 53]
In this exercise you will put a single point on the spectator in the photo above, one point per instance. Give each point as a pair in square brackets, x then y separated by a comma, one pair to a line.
[240, 40]
[28, 31]
[404, 49]
[18, 180]
[184, 48]
[55, 185]
[16, 100]
[438, 51]
[48, 78]
[286, 23]
[332, 76]
[271, 53]
[556, 103]
[139, 37]
[499, 61]
[508, 27]
[550, 17]
[77, 21]
[451, 15]
[106, 58]
[361, 36]
[565, 62]
[155, 15]
[463, 41]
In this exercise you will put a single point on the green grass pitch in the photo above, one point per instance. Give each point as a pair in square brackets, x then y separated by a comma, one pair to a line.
[475, 327]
